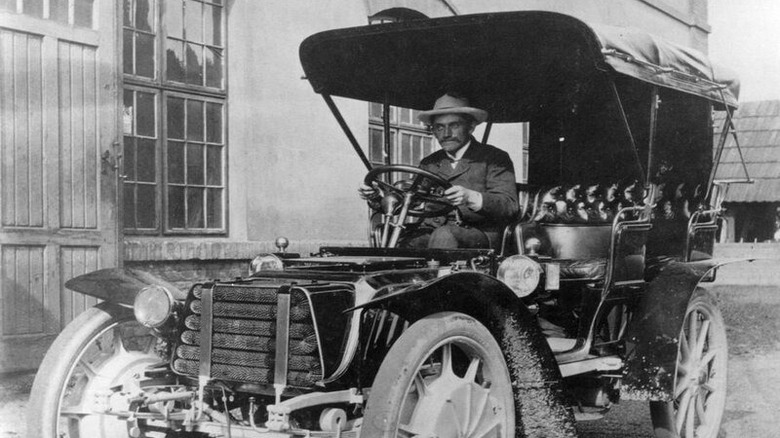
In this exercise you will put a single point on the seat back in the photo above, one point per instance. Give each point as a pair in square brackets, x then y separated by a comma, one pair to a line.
[599, 223]
[683, 229]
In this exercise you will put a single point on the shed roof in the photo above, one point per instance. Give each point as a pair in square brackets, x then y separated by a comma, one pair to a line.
[758, 128]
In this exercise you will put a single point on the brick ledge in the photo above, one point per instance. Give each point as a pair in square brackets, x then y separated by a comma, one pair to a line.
[173, 249]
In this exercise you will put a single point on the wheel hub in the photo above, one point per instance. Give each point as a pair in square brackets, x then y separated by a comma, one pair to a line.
[452, 406]
[123, 370]
[453, 409]
[89, 391]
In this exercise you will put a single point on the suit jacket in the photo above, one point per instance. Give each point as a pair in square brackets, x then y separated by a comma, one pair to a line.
[488, 170]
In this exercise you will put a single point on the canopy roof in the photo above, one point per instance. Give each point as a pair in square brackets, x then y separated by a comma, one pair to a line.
[511, 64]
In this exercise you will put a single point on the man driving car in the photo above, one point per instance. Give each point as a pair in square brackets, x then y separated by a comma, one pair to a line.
[482, 177]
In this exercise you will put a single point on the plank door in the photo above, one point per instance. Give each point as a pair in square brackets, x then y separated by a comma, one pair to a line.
[59, 103]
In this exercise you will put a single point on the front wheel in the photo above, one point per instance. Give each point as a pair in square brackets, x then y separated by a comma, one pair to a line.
[699, 397]
[103, 348]
[445, 376]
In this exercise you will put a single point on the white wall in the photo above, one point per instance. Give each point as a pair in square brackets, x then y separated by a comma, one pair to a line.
[292, 170]
[508, 137]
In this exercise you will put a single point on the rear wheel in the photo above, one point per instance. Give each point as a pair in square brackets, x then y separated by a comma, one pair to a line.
[700, 382]
[100, 350]
[445, 376]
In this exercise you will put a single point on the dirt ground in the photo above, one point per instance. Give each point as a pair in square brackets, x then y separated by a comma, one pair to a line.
[14, 391]
[752, 315]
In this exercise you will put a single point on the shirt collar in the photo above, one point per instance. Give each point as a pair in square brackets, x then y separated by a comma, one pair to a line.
[460, 152]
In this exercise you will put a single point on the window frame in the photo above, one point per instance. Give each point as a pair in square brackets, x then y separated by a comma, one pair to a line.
[163, 89]
[163, 151]
[157, 164]
[21, 7]
[162, 44]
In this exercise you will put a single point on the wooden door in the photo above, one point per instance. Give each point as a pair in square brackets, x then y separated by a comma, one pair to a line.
[59, 103]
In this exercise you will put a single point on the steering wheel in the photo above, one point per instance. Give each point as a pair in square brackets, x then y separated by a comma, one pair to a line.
[426, 186]
[397, 201]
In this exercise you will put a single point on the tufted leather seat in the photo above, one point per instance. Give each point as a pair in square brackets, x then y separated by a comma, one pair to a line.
[574, 224]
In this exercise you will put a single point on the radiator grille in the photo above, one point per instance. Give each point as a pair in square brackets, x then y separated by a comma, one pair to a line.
[244, 339]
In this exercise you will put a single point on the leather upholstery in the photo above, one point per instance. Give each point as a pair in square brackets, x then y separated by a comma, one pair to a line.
[582, 205]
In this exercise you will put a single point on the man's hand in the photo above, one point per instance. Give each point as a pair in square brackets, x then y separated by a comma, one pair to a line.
[458, 195]
[367, 193]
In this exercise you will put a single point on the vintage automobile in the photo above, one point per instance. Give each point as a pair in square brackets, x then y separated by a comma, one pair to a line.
[596, 292]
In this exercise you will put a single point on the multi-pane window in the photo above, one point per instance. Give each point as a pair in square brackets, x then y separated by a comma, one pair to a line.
[140, 38]
[175, 152]
[409, 138]
[193, 163]
[193, 44]
[71, 12]
[140, 159]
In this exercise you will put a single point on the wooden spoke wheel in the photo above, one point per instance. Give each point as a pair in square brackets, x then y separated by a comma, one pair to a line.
[102, 349]
[699, 397]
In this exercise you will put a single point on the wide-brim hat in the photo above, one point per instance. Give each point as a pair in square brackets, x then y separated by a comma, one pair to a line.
[448, 104]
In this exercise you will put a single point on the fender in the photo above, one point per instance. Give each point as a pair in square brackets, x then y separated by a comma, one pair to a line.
[119, 285]
[652, 337]
[539, 394]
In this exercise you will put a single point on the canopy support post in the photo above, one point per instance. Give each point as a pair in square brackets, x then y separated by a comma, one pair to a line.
[728, 126]
[486, 134]
[718, 154]
[337, 114]
[654, 103]
[623, 116]
[386, 126]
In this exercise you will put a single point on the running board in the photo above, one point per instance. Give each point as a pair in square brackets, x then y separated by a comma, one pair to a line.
[596, 364]
[558, 345]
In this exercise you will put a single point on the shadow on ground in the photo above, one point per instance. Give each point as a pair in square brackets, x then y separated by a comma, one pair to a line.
[14, 392]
